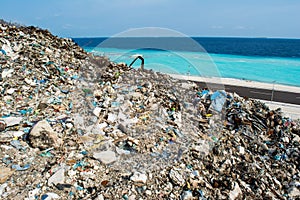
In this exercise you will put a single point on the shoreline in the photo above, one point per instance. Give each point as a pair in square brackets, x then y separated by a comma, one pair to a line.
[239, 82]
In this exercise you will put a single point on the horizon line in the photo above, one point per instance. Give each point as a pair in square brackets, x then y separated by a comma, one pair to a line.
[245, 37]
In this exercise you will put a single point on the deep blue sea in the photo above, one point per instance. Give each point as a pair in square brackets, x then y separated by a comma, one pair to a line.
[257, 59]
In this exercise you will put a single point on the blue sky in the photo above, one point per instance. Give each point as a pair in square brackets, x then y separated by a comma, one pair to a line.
[79, 18]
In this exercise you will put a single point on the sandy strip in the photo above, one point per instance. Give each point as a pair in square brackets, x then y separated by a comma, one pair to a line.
[239, 82]
[289, 110]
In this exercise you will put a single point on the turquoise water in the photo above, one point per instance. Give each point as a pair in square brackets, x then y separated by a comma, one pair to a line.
[263, 69]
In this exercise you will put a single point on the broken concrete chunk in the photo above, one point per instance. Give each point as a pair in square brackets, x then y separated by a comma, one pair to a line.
[176, 177]
[236, 192]
[5, 173]
[43, 136]
[138, 177]
[106, 157]
[57, 177]
[12, 121]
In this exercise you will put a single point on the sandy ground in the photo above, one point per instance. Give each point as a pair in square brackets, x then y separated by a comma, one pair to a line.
[239, 82]
[289, 110]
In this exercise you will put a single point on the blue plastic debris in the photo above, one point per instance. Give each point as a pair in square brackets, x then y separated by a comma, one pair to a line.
[19, 168]
[64, 91]
[277, 157]
[17, 145]
[49, 63]
[204, 92]
[6, 160]
[81, 164]
[125, 196]
[115, 104]
[215, 95]
[218, 99]
[43, 81]
[237, 104]
[25, 111]
[3, 51]
[201, 193]
[44, 196]
[189, 166]
[26, 130]
[74, 77]
[195, 173]
[49, 196]
[79, 188]
[46, 154]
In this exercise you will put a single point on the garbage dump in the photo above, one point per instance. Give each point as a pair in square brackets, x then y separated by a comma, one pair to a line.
[76, 126]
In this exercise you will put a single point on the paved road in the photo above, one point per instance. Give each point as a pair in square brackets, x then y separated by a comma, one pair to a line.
[265, 94]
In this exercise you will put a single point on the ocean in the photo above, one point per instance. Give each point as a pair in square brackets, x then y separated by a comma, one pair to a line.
[257, 59]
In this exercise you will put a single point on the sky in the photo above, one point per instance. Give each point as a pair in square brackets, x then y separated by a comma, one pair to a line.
[92, 18]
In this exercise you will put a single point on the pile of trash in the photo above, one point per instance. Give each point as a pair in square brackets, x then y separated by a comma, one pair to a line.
[75, 126]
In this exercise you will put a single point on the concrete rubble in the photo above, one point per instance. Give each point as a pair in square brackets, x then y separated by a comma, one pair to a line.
[77, 126]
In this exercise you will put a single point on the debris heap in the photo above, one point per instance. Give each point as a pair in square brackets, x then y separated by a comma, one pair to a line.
[74, 126]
